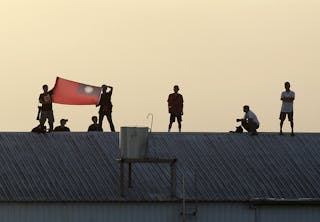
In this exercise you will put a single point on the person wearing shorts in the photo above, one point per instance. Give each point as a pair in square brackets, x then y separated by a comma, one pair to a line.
[46, 109]
[175, 106]
[287, 98]
[250, 121]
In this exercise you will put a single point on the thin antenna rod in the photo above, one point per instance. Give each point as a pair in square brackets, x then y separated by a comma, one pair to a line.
[150, 114]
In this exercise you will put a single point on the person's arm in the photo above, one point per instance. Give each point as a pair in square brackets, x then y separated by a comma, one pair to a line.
[245, 118]
[250, 117]
[239, 119]
[111, 89]
[288, 99]
[291, 98]
[51, 91]
[169, 102]
[40, 99]
[182, 105]
[99, 103]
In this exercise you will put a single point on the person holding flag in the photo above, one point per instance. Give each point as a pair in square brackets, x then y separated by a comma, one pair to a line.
[45, 99]
[106, 106]
[74, 93]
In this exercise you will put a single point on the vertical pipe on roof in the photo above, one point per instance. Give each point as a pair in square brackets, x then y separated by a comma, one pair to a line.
[183, 200]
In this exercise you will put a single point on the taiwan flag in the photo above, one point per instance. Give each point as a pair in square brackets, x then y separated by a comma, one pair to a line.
[74, 93]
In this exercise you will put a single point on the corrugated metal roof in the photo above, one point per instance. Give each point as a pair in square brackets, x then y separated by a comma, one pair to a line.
[229, 167]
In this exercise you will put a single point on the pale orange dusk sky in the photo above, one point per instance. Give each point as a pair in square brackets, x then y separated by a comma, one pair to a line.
[222, 53]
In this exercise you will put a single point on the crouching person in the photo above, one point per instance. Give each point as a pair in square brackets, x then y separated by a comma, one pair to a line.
[62, 127]
[250, 121]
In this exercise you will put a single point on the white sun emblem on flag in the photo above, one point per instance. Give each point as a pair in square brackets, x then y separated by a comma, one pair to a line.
[88, 89]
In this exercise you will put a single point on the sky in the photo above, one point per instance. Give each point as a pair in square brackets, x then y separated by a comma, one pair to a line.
[222, 53]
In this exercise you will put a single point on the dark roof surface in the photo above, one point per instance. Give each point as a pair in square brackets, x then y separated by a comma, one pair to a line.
[229, 167]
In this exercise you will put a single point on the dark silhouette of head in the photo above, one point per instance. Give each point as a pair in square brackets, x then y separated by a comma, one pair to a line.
[287, 86]
[104, 88]
[176, 88]
[94, 119]
[45, 88]
[246, 108]
[63, 122]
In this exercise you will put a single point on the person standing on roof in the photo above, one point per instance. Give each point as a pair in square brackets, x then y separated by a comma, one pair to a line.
[250, 121]
[45, 99]
[175, 106]
[287, 98]
[106, 106]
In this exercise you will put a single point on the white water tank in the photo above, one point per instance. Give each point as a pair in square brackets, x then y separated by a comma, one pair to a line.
[133, 142]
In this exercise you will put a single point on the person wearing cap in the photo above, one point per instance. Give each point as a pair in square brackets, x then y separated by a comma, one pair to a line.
[62, 127]
[46, 111]
[250, 121]
[94, 126]
[106, 106]
[175, 107]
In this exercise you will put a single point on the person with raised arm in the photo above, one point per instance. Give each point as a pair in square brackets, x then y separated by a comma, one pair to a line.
[106, 106]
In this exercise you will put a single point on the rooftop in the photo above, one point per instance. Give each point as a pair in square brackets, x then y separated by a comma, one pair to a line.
[82, 167]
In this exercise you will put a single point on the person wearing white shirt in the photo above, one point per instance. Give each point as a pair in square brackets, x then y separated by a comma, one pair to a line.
[287, 98]
[250, 121]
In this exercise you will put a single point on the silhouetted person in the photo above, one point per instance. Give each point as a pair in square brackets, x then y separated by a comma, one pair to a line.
[175, 106]
[238, 130]
[95, 126]
[39, 129]
[62, 127]
[106, 106]
[287, 98]
[250, 121]
[45, 99]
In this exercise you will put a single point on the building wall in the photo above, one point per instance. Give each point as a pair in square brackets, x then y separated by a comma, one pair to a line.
[156, 212]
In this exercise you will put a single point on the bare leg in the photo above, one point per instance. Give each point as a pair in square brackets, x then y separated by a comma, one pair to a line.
[101, 116]
[42, 121]
[291, 124]
[109, 117]
[172, 119]
[179, 125]
[170, 125]
[281, 124]
[245, 125]
[50, 126]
